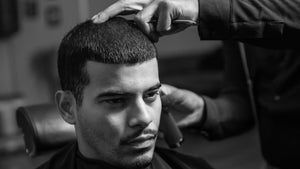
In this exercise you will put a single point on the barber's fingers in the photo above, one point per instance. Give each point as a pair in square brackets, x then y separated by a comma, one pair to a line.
[144, 20]
[161, 18]
[109, 12]
[173, 103]
[121, 7]
[190, 120]
[184, 102]
[164, 19]
[156, 18]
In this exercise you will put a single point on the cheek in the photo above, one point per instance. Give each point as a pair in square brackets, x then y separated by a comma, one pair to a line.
[104, 124]
[116, 123]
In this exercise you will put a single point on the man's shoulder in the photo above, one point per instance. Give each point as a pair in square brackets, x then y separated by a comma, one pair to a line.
[180, 160]
[63, 159]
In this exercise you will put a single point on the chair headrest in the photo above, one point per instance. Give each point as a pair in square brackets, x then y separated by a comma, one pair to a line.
[43, 128]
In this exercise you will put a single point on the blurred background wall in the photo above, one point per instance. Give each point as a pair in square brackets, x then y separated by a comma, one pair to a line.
[28, 55]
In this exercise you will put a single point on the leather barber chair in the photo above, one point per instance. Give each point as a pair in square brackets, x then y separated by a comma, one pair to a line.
[44, 130]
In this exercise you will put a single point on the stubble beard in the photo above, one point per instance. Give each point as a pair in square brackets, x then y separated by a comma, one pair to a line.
[92, 139]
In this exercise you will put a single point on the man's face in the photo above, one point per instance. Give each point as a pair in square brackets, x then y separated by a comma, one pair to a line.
[120, 113]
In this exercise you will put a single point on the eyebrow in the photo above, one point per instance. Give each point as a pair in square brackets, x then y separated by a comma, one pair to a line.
[112, 92]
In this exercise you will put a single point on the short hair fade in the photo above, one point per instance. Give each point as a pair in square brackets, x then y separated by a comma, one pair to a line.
[116, 41]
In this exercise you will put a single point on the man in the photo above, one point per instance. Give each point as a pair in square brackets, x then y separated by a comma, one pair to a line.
[270, 59]
[111, 94]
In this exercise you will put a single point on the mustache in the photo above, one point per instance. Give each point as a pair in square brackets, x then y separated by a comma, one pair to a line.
[150, 134]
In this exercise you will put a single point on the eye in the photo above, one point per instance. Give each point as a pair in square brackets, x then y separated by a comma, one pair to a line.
[115, 101]
[151, 96]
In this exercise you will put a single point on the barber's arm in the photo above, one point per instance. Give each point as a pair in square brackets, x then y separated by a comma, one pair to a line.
[249, 19]
[216, 19]
[226, 115]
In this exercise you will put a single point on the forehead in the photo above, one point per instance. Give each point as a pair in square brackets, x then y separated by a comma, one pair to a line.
[124, 77]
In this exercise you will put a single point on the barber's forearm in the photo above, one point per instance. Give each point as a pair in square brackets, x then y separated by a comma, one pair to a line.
[248, 19]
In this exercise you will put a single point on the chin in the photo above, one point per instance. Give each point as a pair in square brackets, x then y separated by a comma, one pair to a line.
[140, 160]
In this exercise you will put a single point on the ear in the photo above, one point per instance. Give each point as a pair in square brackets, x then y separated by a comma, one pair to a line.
[66, 104]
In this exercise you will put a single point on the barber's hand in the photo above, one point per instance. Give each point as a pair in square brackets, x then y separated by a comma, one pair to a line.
[182, 101]
[154, 17]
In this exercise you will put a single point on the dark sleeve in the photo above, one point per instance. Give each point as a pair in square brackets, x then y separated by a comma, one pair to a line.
[192, 161]
[63, 159]
[182, 161]
[230, 113]
[248, 19]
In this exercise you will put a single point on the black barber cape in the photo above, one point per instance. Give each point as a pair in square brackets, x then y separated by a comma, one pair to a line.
[70, 158]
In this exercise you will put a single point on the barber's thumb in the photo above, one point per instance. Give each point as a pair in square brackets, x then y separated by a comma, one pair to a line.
[166, 101]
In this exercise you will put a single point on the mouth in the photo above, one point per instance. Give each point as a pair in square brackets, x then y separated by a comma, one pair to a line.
[142, 142]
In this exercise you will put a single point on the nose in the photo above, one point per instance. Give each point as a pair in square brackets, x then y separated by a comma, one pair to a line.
[140, 114]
